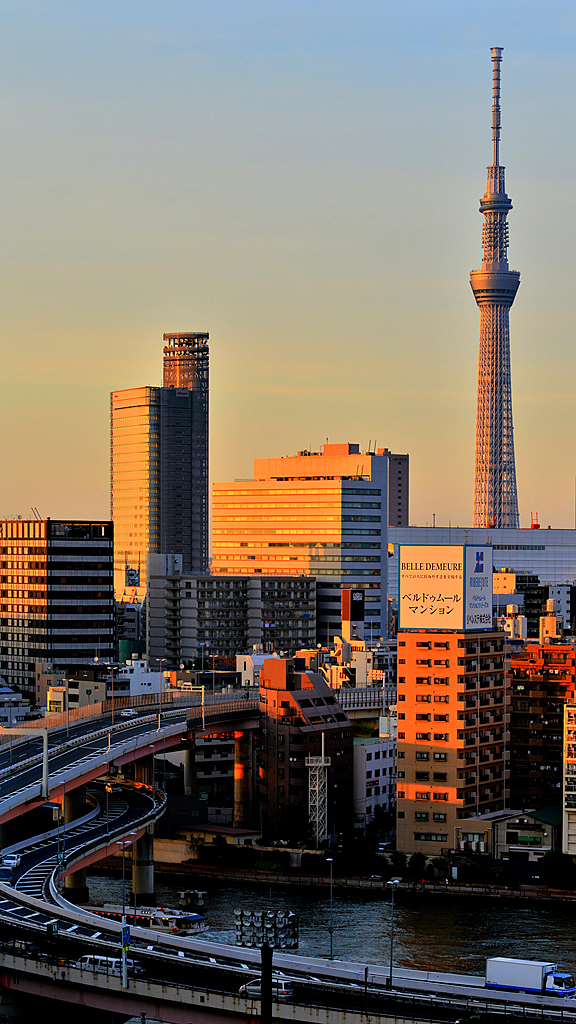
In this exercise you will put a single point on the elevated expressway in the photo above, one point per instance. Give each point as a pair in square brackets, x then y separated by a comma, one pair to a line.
[187, 978]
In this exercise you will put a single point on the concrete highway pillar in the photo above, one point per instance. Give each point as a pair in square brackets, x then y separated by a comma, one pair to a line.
[143, 869]
[243, 797]
[75, 804]
[190, 771]
[75, 888]
[144, 769]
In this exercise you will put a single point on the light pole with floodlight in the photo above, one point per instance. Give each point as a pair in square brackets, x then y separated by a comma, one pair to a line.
[392, 882]
[124, 843]
[329, 860]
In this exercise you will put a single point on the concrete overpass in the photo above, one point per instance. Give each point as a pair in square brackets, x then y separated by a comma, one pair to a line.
[188, 979]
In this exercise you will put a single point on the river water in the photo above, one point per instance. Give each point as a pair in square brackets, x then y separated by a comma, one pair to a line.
[431, 931]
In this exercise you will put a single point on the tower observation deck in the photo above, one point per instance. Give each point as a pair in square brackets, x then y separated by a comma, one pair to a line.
[495, 287]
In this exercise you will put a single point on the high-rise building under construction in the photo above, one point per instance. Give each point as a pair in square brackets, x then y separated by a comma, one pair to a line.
[495, 287]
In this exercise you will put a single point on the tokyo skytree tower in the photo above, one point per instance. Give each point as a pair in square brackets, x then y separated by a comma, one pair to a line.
[495, 287]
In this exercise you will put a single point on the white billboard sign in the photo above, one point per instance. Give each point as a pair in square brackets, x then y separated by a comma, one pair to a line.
[445, 586]
[478, 587]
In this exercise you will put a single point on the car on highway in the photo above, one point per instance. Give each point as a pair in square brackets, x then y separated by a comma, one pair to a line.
[127, 713]
[110, 965]
[282, 991]
[11, 860]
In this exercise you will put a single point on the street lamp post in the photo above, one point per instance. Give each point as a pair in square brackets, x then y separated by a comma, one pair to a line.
[124, 843]
[329, 861]
[393, 882]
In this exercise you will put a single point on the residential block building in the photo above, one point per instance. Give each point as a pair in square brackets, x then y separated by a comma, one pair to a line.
[224, 616]
[374, 777]
[543, 678]
[56, 596]
[453, 738]
[299, 709]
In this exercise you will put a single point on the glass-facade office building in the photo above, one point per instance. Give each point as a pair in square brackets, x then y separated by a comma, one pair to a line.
[320, 514]
[158, 486]
[56, 596]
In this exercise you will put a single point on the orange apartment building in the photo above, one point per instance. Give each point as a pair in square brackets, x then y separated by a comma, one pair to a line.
[453, 713]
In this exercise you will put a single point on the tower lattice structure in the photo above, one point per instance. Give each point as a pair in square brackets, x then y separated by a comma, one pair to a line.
[495, 287]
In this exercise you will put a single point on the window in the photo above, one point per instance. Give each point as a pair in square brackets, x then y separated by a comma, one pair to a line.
[423, 680]
[401, 716]
[440, 755]
[441, 698]
[401, 696]
[368, 757]
[437, 816]
[420, 795]
[425, 643]
[423, 698]
[401, 775]
[423, 661]
[423, 718]
[368, 775]
[401, 753]
[439, 776]
[440, 796]
[401, 814]
[430, 837]
[445, 645]
[401, 794]
[441, 736]
[422, 776]
[421, 755]
[440, 718]
[422, 735]
[421, 815]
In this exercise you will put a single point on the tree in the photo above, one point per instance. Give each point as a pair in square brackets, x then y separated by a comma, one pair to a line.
[557, 870]
[417, 865]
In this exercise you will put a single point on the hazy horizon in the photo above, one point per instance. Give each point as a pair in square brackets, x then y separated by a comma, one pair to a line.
[302, 181]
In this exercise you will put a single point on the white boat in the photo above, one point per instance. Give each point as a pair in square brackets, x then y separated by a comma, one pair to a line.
[160, 919]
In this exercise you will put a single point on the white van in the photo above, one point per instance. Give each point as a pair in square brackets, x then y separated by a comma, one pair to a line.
[282, 991]
[109, 965]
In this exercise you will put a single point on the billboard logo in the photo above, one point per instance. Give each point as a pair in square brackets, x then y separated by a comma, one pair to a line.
[131, 577]
[479, 567]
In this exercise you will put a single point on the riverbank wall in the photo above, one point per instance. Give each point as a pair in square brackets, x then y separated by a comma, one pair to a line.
[191, 874]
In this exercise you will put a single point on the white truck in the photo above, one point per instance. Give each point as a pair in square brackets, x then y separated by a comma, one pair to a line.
[536, 976]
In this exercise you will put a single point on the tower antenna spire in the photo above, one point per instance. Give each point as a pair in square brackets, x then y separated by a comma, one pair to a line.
[495, 287]
[496, 113]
